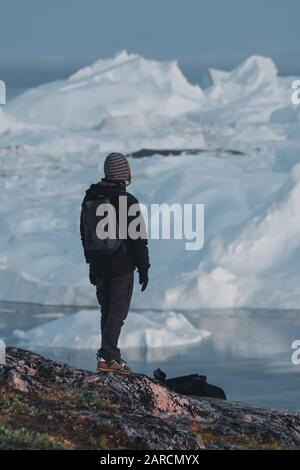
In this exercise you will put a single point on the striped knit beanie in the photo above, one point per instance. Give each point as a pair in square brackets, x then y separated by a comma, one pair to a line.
[116, 167]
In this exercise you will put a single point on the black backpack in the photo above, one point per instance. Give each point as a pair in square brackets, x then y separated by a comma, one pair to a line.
[93, 245]
[193, 385]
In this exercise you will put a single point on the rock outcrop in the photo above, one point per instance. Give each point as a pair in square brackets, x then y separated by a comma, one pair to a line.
[45, 404]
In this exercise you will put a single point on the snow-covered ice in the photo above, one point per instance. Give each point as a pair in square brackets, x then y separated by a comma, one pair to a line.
[53, 142]
[125, 85]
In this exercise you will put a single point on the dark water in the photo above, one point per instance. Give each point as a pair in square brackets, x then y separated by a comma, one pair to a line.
[248, 353]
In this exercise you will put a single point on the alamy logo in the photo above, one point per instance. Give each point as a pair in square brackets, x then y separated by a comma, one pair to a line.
[2, 92]
[295, 358]
[296, 93]
[156, 221]
[2, 352]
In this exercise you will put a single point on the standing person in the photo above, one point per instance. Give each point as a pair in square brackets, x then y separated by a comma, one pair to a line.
[112, 262]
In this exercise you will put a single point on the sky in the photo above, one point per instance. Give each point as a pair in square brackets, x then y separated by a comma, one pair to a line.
[54, 36]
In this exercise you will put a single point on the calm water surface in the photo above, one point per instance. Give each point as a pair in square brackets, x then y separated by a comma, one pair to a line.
[248, 353]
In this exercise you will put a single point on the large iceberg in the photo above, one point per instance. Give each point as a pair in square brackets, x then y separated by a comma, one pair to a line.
[53, 142]
[259, 266]
[125, 85]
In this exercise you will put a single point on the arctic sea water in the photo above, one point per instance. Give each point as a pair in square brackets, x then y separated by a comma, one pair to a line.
[248, 352]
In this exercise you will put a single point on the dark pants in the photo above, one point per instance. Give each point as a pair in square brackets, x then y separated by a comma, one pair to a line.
[114, 296]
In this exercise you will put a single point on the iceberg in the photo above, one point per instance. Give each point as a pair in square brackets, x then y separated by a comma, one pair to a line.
[165, 332]
[125, 85]
[259, 266]
[53, 142]
[249, 93]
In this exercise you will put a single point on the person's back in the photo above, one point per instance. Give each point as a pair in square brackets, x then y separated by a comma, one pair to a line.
[112, 273]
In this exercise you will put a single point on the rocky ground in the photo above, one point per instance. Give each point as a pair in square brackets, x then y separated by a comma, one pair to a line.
[48, 405]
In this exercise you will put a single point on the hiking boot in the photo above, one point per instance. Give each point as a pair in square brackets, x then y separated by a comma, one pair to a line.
[113, 366]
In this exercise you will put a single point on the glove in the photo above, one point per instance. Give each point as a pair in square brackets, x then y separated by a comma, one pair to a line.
[92, 276]
[143, 279]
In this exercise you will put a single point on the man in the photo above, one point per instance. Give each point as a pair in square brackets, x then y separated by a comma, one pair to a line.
[112, 271]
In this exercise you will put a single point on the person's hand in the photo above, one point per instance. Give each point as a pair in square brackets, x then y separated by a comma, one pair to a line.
[92, 276]
[143, 279]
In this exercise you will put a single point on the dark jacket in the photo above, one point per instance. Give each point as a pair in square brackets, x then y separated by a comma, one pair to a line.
[131, 253]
